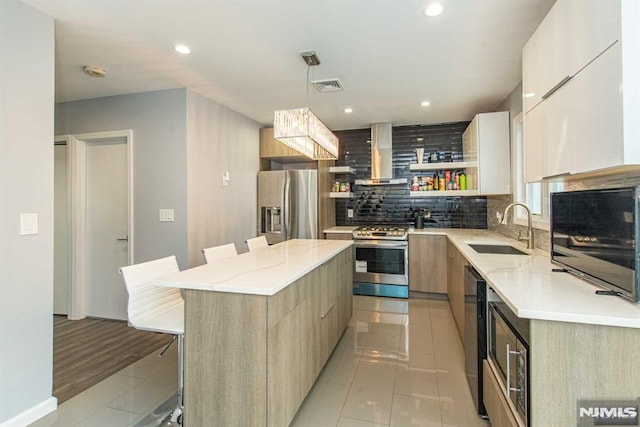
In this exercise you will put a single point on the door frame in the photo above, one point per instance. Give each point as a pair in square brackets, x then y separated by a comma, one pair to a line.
[77, 178]
[66, 140]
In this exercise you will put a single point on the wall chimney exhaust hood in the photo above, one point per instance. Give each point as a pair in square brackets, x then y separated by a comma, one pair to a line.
[381, 157]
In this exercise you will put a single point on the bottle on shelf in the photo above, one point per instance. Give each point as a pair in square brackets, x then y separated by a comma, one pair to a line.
[436, 181]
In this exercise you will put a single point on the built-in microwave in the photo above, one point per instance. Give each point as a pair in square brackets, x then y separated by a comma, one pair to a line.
[508, 353]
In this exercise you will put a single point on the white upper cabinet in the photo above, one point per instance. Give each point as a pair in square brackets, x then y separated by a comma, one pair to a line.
[585, 115]
[486, 141]
[573, 33]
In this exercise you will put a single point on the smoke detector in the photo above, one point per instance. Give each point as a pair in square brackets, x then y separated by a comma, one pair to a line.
[328, 85]
[94, 71]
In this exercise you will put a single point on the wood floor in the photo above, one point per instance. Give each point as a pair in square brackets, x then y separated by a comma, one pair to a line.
[87, 351]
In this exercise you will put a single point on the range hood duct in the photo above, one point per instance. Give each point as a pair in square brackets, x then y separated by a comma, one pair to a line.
[381, 157]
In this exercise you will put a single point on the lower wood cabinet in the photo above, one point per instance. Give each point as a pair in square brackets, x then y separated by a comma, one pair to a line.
[455, 285]
[427, 266]
[495, 402]
[250, 360]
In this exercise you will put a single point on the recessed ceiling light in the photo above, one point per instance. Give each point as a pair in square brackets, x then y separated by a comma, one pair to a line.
[529, 95]
[425, 103]
[183, 49]
[434, 9]
[348, 110]
[419, 139]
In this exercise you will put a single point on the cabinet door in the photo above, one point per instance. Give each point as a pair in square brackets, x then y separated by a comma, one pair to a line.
[272, 148]
[427, 264]
[573, 33]
[455, 286]
[494, 162]
[579, 128]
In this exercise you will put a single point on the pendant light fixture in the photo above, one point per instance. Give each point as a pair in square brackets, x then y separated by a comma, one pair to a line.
[302, 130]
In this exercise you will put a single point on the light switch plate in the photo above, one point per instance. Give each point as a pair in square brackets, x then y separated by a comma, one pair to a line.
[349, 213]
[28, 223]
[166, 215]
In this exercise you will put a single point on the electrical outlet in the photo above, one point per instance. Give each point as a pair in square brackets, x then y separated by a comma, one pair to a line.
[349, 213]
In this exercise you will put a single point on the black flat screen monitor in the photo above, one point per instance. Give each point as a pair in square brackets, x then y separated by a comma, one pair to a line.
[594, 235]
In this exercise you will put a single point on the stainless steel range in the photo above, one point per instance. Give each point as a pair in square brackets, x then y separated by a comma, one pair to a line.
[381, 261]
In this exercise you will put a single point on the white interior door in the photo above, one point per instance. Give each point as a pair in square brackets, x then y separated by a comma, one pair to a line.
[107, 227]
[61, 249]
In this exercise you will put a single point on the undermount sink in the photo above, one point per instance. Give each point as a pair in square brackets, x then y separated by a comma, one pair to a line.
[496, 249]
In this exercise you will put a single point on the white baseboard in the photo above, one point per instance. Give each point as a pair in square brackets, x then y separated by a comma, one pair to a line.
[32, 414]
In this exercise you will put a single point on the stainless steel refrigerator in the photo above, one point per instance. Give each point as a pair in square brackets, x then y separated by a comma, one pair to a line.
[288, 205]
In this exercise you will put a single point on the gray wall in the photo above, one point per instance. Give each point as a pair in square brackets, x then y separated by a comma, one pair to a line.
[26, 186]
[158, 120]
[220, 140]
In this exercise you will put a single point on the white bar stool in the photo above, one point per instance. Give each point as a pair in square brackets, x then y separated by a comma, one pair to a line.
[215, 253]
[157, 309]
[256, 243]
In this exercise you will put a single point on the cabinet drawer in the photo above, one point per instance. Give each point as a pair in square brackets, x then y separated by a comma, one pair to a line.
[498, 409]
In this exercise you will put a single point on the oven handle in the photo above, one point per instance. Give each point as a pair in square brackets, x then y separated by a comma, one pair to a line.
[380, 243]
[508, 387]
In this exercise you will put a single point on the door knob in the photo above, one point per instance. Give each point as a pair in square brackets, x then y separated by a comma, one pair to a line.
[125, 239]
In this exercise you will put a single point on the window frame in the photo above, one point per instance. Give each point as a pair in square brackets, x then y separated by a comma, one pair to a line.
[523, 190]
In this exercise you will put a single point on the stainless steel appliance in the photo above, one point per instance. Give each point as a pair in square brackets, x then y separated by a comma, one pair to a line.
[381, 157]
[475, 333]
[288, 205]
[381, 262]
[508, 353]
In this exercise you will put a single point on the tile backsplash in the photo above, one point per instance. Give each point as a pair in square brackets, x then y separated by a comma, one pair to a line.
[392, 203]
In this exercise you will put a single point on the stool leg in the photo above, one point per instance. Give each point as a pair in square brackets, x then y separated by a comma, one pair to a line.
[177, 415]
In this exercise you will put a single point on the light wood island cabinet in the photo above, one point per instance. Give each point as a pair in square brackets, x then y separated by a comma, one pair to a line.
[251, 359]
[427, 268]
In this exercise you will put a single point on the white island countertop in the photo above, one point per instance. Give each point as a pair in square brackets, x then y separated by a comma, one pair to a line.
[264, 271]
[530, 288]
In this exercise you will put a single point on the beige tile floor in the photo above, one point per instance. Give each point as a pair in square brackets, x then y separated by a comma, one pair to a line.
[400, 363]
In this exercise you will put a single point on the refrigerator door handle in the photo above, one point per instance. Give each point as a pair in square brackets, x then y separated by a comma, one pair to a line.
[286, 204]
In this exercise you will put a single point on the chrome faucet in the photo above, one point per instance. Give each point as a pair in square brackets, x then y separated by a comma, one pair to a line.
[529, 237]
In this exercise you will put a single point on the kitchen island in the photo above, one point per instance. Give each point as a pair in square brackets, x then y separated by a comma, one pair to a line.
[259, 328]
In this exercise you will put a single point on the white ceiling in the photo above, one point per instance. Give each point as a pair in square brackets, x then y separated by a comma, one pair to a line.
[245, 54]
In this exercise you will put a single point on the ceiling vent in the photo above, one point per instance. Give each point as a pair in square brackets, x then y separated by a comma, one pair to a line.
[328, 85]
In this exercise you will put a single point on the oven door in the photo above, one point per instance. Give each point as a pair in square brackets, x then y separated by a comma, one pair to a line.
[381, 261]
[509, 356]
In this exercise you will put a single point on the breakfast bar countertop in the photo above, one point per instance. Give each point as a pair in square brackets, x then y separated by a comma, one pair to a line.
[265, 271]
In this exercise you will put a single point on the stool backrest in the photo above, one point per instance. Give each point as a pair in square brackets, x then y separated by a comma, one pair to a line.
[215, 253]
[146, 299]
[257, 243]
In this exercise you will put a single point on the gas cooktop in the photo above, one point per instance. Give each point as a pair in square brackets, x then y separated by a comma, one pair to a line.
[384, 232]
